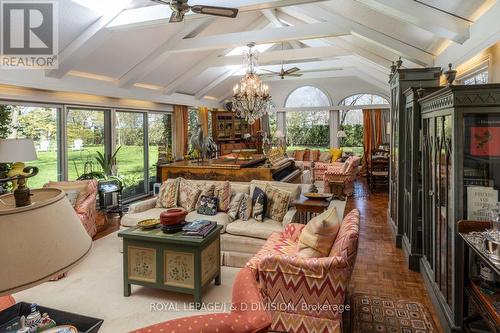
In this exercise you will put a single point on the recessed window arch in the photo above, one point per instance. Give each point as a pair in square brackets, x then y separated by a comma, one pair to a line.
[307, 96]
[351, 120]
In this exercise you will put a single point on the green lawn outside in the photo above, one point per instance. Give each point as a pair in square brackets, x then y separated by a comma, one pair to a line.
[130, 164]
[356, 150]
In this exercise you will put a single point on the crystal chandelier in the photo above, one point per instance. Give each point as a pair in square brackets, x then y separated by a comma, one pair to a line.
[251, 99]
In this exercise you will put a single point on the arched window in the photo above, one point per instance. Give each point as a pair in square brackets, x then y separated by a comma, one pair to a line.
[307, 128]
[307, 96]
[351, 120]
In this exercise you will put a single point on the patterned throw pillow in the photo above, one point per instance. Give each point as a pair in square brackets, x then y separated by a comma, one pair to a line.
[169, 190]
[299, 155]
[259, 203]
[188, 195]
[72, 196]
[234, 205]
[245, 209]
[223, 192]
[206, 189]
[325, 157]
[208, 205]
[277, 203]
[315, 155]
[317, 238]
[307, 155]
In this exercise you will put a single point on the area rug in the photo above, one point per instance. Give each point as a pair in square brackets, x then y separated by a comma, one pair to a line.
[95, 288]
[388, 315]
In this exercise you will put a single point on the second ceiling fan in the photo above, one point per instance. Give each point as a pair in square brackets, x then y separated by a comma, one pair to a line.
[181, 7]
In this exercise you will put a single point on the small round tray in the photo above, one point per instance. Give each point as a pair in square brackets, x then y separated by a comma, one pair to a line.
[149, 223]
[318, 196]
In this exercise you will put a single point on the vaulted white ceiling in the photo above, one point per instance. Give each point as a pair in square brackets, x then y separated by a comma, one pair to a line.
[127, 48]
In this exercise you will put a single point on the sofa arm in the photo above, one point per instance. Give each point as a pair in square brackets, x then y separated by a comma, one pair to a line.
[292, 231]
[290, 217]
[305, 286]
[142, 206]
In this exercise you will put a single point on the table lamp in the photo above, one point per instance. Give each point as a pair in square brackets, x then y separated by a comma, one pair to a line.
[39, 241]
[17, 151]
[340, 135]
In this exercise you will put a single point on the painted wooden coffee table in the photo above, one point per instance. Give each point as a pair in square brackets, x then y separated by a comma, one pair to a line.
[172, 262]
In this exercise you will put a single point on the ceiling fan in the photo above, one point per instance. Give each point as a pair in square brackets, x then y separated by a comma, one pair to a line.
[282, 73]
[181, 7]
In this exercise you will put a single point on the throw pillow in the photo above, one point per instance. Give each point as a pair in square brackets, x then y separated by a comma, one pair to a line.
[223, 192]
[169, 190]
[82, 186]
[259, 203]
[234, 205]
[206, 189]
[307, 155]
[277, 203]
[188, 195]
[317, 238]
[336, 154]
[72, 196]
[325, 157]
[299, 155]
[315, 155]
[245, 209]
[208, 205]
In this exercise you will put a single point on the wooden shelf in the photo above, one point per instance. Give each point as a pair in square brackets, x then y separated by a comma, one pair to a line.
[485, 302]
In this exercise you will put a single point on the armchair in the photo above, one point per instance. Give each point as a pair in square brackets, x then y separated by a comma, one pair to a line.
[85, 206]
[248, 314]
[344, 173]
[306, 295]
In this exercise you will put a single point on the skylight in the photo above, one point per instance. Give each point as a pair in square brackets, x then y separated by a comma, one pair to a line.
[103, 6]
[239, 50]
[149, 14]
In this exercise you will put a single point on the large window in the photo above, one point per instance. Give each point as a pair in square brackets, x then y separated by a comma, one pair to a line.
[160, 142]
[40, 124]
[130, 157]
[307, 128]
[351, 120]
[479, 77]
[84, 138]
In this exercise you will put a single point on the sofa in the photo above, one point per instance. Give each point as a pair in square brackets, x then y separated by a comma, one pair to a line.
[84, 201]
[345, 172]
[307, 295]
[240, 240]
[316, 161]
[248, 314]
[6, 302]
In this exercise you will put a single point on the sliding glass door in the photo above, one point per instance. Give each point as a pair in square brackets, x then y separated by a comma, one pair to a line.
[85, 136]
[160, 142]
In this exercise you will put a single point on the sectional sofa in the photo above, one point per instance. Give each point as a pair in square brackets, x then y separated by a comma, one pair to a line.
[240, 240]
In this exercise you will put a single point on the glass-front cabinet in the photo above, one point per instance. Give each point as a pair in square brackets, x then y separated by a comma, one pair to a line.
[461, 178]
[400, 81]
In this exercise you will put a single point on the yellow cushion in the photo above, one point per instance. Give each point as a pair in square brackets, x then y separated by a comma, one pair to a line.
[317, 238]
[336, 153]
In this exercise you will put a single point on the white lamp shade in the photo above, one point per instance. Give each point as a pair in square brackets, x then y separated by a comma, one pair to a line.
[341, 134]
[17, 150]
[39, 241]
[279, 134]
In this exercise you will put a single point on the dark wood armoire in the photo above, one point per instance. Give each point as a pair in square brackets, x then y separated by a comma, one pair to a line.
[400, 81]
[460, 169]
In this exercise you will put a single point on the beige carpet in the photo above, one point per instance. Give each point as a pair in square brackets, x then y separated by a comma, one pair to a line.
[95, 288]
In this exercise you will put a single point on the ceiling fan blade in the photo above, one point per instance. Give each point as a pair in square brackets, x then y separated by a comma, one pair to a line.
[162, 2]
[176, 17]
[295, 75]
[292, 70]
[216, 11]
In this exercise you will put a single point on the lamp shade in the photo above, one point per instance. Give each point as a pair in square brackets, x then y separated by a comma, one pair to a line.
[279, 134]
[39, 241]
[341, 134]
[17, 150]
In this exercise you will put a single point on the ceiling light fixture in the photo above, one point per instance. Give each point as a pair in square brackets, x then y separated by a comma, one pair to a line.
[251, 98]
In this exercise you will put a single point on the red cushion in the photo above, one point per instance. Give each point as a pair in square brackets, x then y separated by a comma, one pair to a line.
[6, 302]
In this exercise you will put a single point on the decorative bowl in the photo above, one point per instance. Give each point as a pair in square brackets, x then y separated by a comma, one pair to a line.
[317, 196]
[62, 329]
[173, 216]
[149, 223]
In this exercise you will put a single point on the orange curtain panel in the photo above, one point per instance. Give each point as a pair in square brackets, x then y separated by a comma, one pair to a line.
[181, 130]
[378, 127]
[368, 133]
[203, 116]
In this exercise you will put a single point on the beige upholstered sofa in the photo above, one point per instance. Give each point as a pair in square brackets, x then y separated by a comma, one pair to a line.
[240, 240]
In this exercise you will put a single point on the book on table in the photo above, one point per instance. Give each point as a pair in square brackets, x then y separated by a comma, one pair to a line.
[198, 228]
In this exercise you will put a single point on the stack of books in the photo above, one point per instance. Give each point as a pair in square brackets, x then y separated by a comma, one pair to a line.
[198, 228]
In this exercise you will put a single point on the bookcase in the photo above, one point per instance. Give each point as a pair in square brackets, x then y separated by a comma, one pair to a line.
[400, 81]
[228, 131]
[461, 177]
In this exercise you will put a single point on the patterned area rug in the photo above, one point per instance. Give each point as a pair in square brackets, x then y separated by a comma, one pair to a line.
[387, 315]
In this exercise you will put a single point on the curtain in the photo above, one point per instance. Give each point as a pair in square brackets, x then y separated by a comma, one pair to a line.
[203, 117]
[368, 138]
[181, 131]
[379, 128]
[386, 119]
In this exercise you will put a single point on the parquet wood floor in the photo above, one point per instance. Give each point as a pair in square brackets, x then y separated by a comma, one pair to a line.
[381, 268]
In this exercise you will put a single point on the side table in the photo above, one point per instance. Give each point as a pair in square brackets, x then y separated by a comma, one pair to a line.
[337, 189]
[308, 208]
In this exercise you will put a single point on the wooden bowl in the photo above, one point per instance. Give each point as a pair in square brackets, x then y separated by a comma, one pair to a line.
[173, 216]
[149, 223]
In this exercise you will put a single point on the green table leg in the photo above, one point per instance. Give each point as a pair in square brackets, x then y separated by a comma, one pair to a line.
[127, 289]
[218, 280]
[197, 299]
